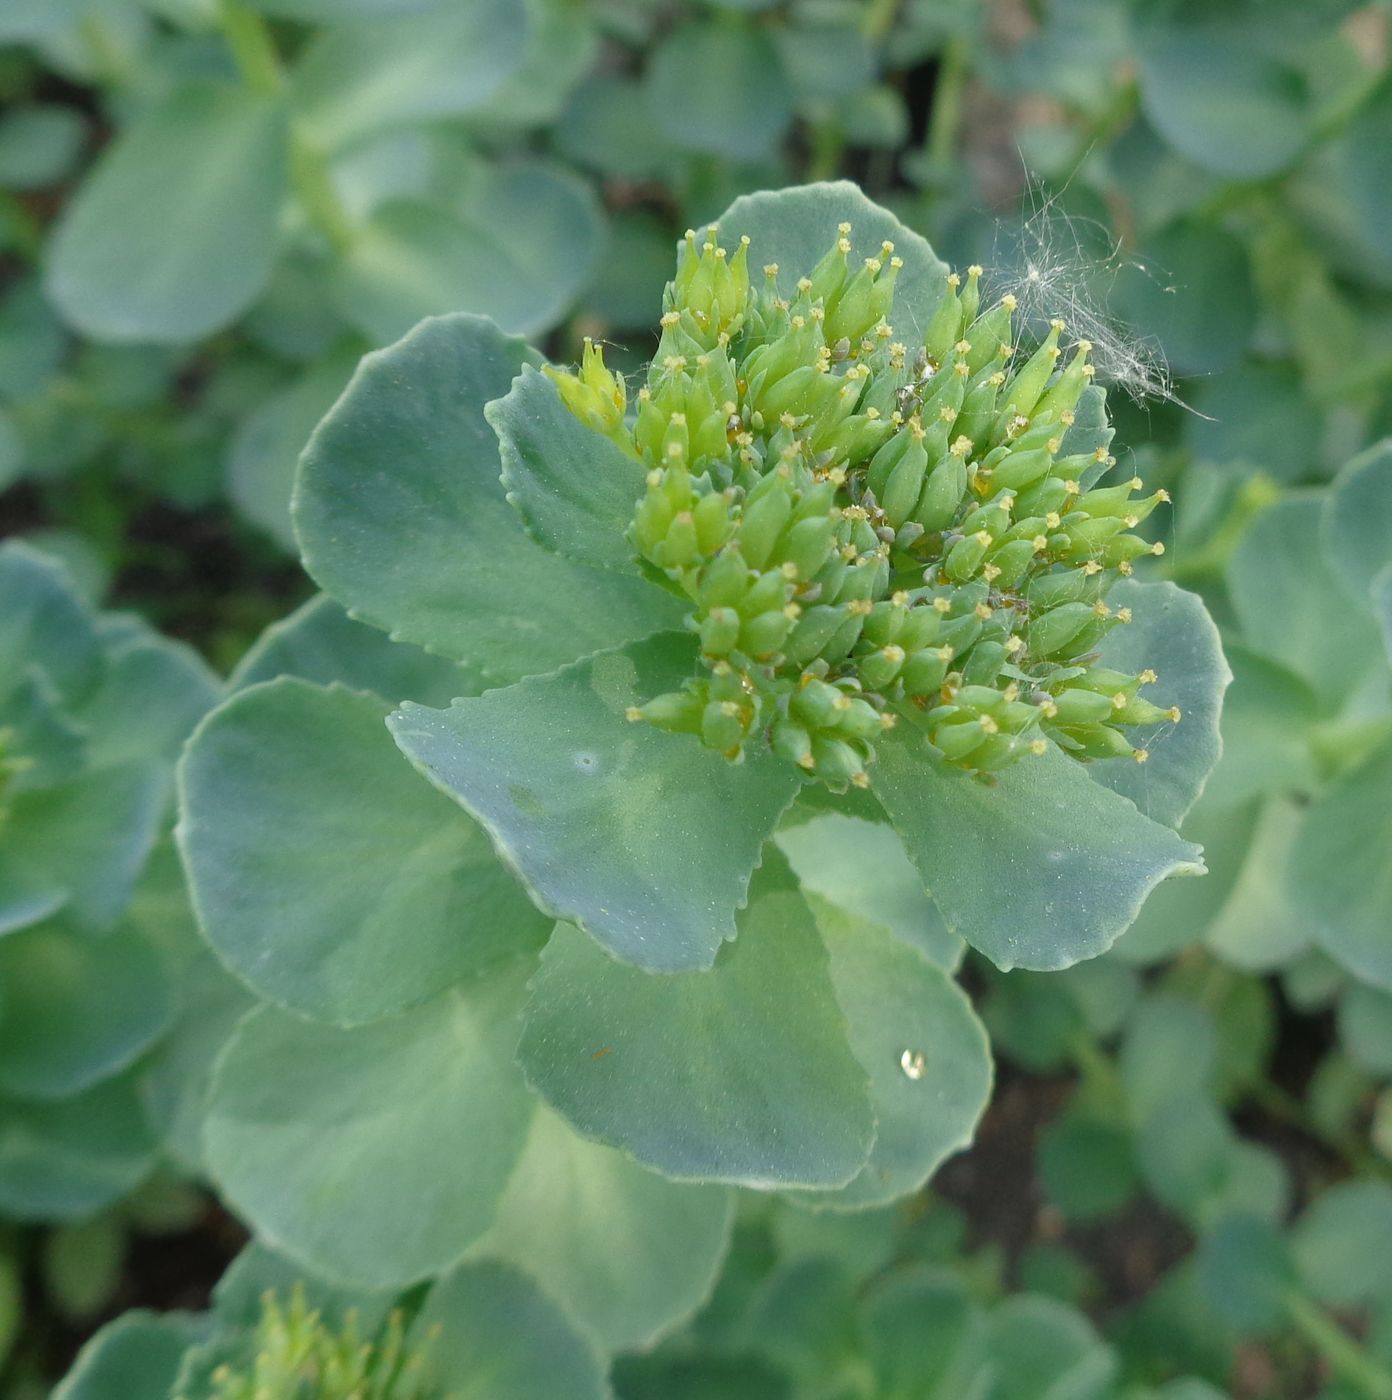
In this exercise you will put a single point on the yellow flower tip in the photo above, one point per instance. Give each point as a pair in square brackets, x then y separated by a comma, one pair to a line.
[983, 611]
[1053, 446]
[963, 347]
[946, 653]
[1072, 487]
[1049, 710]
[1158, 548]
[1174, 714]
[888, 720]
[1123, 615]
[860, 607]
[1009, 302]
[860, 780]
[1039, 747]
[942, 605]
[633, 714]
[1040, 543]
[805, 761]
[770, 270]
[1058, 324]
[843, 229]
[1163, 495]
[975, 271]
[1140, 755]
[988, 725]
[1119, 701]
[953, 281]
[1101, 609]
[900, 599]
[1148, 677]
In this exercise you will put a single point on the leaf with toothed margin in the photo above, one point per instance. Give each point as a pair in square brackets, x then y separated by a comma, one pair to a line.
[1173, 635]
[739, 1074]
[1040, 869]
[917, 1037]
[574, 488]
[401, 516]
[794, 228]
[645, 839]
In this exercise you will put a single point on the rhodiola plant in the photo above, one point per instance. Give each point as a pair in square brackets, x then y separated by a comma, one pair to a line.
[618, 838]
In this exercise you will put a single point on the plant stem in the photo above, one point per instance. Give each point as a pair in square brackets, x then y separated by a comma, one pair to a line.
[827, 141]
[253, 49]
[948, 91]
[1344, 1355]
[1254, 495]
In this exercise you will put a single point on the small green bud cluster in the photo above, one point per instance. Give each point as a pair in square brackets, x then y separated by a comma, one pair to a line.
[872, 532]
[298, 1357]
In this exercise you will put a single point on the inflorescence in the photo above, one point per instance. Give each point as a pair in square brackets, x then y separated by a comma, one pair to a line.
[299, 1357]
[873, 532]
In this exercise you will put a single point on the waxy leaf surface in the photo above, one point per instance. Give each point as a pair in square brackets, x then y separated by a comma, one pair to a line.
[141, 256]
[628, 1253]
[738, 1074]
[919, 1040]
[575, 488]
[645, 839]
[325, 873]
[407, 1129]
[402, 517]
[1173, 635]
[1041, 869]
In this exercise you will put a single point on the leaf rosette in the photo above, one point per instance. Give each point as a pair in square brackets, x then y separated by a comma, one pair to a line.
[629, 643]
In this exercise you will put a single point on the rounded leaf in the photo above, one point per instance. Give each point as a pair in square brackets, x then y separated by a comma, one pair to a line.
[645, 839]
[133, 1358]
[375, 1156]
[324, 872]
[628, 1253]
[140, 256]
[739, 1074]
[1041, 869]
[402, 517]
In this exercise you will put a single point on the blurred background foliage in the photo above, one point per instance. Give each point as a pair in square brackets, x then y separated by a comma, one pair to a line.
[210, 209]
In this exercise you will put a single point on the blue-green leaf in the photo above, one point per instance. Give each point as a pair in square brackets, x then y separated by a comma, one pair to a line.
[645, 839]
[1040, 869]
[402, 517]
[325, 873]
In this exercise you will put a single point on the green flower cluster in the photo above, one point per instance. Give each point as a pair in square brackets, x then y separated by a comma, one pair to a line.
[872, 530]
[298, 1357]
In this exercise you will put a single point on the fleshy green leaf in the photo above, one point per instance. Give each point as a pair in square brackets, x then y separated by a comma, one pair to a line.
[77, 1010]
[919, 1040]
[319, 642]
[628, 1253]
[80, 846]
[296, 802]
[645, 839]
[861, 867]
[402, 517]
[1268, 713]
[1219, 100]
[575, 488]
[140, 256]
[134, 1358]
[1299, 617]
[1172, 634]
[1341, 1244]
[355, 79]
[719, 89]
[152, 692]
[499, 1335]
[519, 250]
[1340, 875]
[268, 442]
[44, 622]
[1041, 869]
[375, 1155]
[795, 227]
[739, 1074]
[69, 1158]
[1356, 525]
